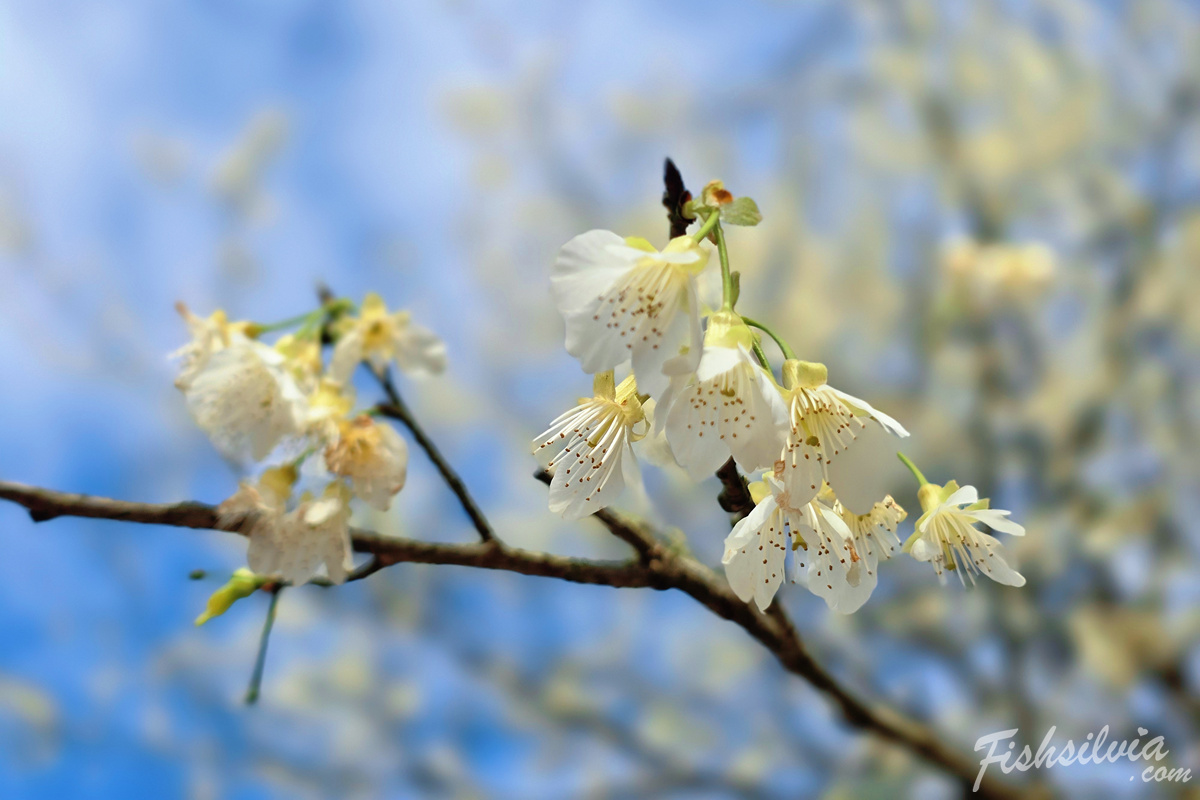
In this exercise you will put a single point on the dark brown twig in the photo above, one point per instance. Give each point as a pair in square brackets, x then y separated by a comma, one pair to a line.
[735, 495]
[395, 408]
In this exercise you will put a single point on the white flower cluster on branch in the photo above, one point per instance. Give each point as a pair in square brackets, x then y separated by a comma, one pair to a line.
[280, 403]
[700, 378]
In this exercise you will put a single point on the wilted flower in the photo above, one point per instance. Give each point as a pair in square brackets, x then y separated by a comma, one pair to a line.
[316, 532]
[209, 335]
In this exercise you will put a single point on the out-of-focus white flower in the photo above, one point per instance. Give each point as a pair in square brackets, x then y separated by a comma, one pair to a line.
[302, 358]
[372, 456]
[244, 399]
[259, 504]
[327, 407]
[999, 270]
[730, 405]
[823, 423]
[292, 544]
[316, 532]
[621, 299]
[589, 448]
[947, 537]
[380, 337]
[824, 556]
[209, 335]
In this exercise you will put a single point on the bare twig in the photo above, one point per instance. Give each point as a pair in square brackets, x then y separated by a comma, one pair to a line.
[395, 408]
[657, 568]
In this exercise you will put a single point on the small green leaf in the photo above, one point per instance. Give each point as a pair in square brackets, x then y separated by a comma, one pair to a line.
[742, 211]
[243, 584]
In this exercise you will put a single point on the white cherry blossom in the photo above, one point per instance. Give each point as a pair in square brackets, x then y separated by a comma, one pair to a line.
[372, 456]
[623, 300]
[824, 556]
[946, 535]
[590, 448]
[874, 537]
[728, 406]
[822, 423]
[245, 400]
[380, 337]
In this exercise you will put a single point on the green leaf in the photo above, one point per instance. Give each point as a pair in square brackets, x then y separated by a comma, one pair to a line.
[742, 211]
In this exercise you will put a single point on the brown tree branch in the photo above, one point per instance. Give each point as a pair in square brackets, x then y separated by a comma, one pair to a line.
[45, 504]
[656, 568]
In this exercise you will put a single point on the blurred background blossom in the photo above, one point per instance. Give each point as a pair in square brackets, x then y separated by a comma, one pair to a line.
[983, 216]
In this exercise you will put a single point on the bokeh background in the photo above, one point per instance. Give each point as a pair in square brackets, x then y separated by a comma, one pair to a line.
[984, 216]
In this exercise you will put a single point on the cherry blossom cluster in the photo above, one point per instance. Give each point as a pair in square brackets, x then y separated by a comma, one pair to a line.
[697, 376]
[282, 409]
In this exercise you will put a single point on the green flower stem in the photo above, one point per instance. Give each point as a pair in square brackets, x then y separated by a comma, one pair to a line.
[726, 276]
[913, 468]
[260, 662]
[788, 353]
[762, 356]
[706, 227]
[290, 322]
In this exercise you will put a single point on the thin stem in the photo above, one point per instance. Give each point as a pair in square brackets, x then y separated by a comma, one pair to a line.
[287, 323]
[706, 227]
[788, 353]
[397, 409]
[256, 677]
[762, 356]
[913, 468]
[726, 276]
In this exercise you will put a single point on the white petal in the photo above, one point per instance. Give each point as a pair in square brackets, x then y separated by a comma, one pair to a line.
[862, 473]
[965, 496]
[862, 406]
[997, 520]
[585, 268]
[756, 554]
[762, 427]
[717, 360]
[991, 558]
[347, 355]
[420, 350]
[693, 435]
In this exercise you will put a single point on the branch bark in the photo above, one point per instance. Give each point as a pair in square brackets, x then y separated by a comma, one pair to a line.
[656, 567]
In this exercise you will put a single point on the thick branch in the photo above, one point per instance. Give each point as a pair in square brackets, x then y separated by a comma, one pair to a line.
[45, 504]
[657, 569]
